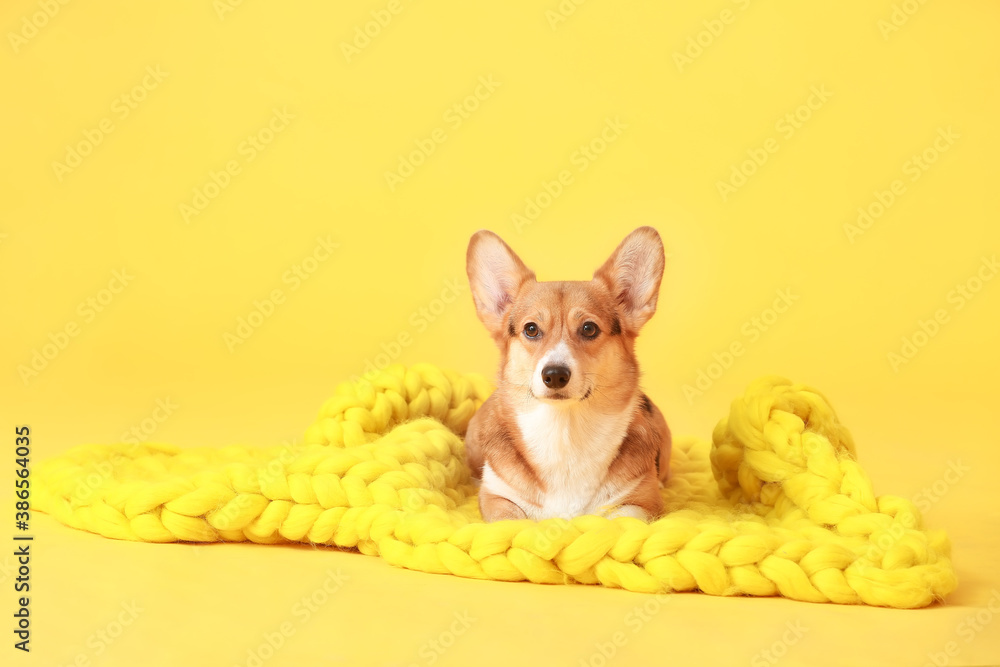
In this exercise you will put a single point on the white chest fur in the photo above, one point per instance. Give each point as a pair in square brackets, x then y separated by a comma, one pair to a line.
[572, 448]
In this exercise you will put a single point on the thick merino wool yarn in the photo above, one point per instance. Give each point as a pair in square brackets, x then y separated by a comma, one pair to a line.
[777, 505]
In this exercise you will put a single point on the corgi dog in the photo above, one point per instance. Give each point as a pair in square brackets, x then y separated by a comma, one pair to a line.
[568, 430]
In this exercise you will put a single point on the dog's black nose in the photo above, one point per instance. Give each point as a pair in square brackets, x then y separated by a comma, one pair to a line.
[555, 377]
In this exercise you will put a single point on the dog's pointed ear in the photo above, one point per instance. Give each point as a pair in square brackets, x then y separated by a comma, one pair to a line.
[496, 275]
[633, 274]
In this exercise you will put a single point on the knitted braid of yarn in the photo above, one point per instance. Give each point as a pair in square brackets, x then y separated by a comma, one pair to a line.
[778, 506]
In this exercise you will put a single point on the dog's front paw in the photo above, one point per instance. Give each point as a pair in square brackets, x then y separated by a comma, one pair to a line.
[497, 508]
[633, 511]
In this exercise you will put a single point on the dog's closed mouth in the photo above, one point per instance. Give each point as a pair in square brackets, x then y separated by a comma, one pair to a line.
[555, 396]
[560, 396]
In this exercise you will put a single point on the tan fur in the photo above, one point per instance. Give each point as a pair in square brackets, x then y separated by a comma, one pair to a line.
[605, 382]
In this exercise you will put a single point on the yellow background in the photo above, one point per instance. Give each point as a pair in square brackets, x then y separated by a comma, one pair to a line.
[684, 125]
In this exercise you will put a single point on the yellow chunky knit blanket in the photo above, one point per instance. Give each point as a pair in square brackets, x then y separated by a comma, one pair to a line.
[777, 505]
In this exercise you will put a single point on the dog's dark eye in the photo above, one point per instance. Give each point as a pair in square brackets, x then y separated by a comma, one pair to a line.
[531, 330]
[589, 330]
